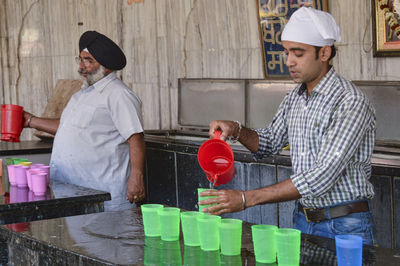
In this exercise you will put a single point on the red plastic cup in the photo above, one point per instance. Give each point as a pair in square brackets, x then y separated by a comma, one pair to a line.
[11, 122]
[215, 157]
[19, 227]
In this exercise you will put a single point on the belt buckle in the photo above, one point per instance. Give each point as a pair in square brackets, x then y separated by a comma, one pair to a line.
[305, 214]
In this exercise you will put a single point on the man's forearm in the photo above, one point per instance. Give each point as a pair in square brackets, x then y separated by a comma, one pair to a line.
[283, 191]
[45, 124]
[137, 154]
[249, 138]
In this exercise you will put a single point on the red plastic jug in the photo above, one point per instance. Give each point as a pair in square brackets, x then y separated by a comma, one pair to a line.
[215, 157]
[11, 122]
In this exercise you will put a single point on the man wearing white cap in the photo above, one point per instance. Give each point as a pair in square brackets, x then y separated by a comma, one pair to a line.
[330, 127]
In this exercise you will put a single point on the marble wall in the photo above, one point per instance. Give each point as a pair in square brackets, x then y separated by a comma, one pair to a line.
[163, 40]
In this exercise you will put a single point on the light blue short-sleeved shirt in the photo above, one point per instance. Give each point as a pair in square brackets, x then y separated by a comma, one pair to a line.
[90, 148]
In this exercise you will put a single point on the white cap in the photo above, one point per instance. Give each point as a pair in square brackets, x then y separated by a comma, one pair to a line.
[311, 26]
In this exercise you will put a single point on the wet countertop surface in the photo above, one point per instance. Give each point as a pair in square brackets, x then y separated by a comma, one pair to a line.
[61, 199]
[112, 238]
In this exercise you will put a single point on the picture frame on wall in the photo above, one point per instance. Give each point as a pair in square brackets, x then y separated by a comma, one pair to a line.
[272, 17]
[386, 27]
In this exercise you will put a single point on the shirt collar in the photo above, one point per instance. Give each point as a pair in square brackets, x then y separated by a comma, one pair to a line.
[101, 84]
[321, 86]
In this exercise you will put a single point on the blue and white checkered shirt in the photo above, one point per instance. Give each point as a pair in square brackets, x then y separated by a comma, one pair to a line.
[331, 134]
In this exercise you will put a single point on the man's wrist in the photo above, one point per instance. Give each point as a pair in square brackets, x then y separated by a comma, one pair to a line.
[29, 121]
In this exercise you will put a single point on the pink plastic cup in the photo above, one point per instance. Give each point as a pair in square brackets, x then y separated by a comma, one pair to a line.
[22, 194]
[46, 169]
[36, 165]
[30, 195]
[20, 176]
[37, 197]
[29, 175]
[11, 174]
[13, 194]
[39, 185]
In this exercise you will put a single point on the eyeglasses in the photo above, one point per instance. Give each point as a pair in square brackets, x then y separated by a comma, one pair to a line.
[85, 61]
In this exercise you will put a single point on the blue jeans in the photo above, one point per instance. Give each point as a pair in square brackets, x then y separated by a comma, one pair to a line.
[360, 223]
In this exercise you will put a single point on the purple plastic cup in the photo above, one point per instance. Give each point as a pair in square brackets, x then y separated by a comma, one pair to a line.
[11, 173]
[36, 165]
[22, 194]
[13, 194]
[20, 176]
[39, 183]
[46, 168]
[29, 175]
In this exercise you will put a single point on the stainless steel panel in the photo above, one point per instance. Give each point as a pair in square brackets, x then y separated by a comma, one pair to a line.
[201, 101]
[255, 102]
[385, 97]
[263, 100]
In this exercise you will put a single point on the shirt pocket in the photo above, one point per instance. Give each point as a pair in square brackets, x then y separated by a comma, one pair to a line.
[82, 117]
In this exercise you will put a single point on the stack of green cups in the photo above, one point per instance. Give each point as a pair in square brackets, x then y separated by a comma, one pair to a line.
[151, 220]
[208, 227]
[189, 228]
[264, 242]
[9, 161]
[169, 223]
[230, 231]
[19, 160]
[199, 190]
[288, 246]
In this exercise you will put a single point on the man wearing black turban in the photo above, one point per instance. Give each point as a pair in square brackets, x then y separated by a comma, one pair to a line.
[99, 140]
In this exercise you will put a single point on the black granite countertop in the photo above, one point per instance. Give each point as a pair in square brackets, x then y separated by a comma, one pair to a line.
[117, 238]
[21, 205]
[25, 147]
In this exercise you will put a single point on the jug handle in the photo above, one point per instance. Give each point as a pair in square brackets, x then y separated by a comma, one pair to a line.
[217, 134]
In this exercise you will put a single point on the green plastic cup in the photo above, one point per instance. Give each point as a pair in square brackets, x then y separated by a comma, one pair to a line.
[169, 223]
[151, 221]
[171, 253]
[266, 264]
[189, 228]
[208, 227]
[230, 231]
[19, 160]
[9, 161]
[208, 258]
[288, 246]
[201, 207]
[152, 251]
[231, 260]
[264, 242]
[191, 255]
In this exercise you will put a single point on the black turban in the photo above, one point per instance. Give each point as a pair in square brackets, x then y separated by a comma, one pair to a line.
[104, 50]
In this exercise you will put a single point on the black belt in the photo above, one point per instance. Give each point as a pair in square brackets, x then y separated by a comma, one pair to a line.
[317, 215]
